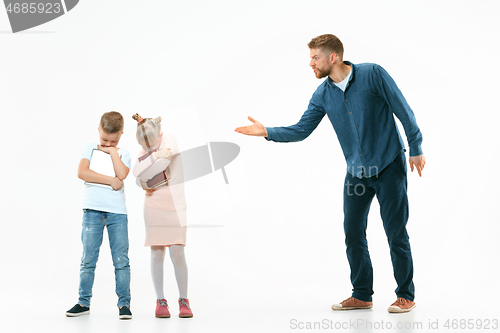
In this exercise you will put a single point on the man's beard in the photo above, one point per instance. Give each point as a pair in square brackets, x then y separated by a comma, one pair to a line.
[321, 74]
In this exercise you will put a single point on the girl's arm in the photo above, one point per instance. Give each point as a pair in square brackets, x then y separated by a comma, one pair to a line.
[142, 165]
[153, 165]
[150, 166]
[158, 166]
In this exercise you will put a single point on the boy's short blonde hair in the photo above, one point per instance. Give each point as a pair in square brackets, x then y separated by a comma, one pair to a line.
[111, 122]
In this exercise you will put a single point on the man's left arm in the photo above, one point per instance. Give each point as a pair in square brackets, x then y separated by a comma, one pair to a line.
[393, 96]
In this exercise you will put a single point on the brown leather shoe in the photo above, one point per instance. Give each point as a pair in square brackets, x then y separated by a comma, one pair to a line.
[401, 305]
[352, 304]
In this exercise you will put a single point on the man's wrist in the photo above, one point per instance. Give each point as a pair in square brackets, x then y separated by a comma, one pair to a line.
[269, 132]
[416, 151]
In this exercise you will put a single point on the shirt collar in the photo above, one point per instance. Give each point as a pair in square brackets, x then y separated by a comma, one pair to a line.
[330, 81]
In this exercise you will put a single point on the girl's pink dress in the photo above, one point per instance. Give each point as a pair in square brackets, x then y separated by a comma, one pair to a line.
[164, 208]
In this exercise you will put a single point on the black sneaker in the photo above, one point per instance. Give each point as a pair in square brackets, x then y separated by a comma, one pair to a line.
[78, 310]
[125, 313]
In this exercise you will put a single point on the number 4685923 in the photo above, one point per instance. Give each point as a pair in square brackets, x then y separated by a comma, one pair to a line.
[477, 324]
[32, 8]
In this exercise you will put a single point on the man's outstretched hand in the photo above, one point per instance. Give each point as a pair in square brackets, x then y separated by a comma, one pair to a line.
[418, 162]
[256, 129]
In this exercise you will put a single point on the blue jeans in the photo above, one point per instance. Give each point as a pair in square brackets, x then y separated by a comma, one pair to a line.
[93, 225]
[390, 186]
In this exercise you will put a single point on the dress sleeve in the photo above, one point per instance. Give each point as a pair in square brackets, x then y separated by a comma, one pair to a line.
[158, 166]
[171, 142]
[151, 166]
[142, 165]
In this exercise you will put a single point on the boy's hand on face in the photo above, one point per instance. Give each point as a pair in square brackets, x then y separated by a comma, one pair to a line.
[107, 150]
[116, 183]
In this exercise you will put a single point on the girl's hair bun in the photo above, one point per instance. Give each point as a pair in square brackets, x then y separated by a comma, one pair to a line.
[137, 118]
[157, 120]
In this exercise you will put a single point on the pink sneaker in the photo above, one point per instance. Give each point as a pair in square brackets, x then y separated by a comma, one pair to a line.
[162, 309]
[184, 308]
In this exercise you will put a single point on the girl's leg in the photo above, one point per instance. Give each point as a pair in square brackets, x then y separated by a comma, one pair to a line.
[180, 268]
[157, 257]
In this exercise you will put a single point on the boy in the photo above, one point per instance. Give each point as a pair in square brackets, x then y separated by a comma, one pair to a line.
[105, 206]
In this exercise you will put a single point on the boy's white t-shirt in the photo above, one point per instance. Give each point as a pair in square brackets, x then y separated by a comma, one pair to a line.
[102, 198]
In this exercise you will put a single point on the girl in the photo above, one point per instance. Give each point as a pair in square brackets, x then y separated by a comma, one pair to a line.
[164, 209]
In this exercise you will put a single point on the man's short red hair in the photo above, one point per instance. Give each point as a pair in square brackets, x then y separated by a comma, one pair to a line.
[327, 44]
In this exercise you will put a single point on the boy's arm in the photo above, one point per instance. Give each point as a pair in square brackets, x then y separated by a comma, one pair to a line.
[121, 170]
[90, 176]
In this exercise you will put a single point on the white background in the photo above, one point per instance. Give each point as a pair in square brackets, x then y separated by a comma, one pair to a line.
[269, 248]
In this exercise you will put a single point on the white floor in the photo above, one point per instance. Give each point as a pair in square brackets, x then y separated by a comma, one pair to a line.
[237, 286]
[244, 314]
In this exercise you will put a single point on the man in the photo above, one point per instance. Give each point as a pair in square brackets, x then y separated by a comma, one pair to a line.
[360, 101]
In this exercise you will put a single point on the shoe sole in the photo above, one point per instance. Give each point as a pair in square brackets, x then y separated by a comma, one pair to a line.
[395, 309]
[77, 314]
[125, 317]
[352, 308]
[162, 316]
[185, 316]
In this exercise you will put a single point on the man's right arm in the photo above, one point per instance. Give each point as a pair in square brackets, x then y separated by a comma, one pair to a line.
[301, 130]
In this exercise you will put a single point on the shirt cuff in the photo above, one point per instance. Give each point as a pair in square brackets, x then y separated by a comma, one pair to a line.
[416, 150]
[270, 133]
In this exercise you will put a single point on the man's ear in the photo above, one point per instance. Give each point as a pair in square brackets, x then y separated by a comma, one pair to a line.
[333, 58]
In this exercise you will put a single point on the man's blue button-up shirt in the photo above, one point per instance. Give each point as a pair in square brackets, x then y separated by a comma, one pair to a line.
[362, 117]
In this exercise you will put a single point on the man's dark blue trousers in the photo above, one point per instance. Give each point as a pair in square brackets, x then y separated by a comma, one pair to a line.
[390, 187]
